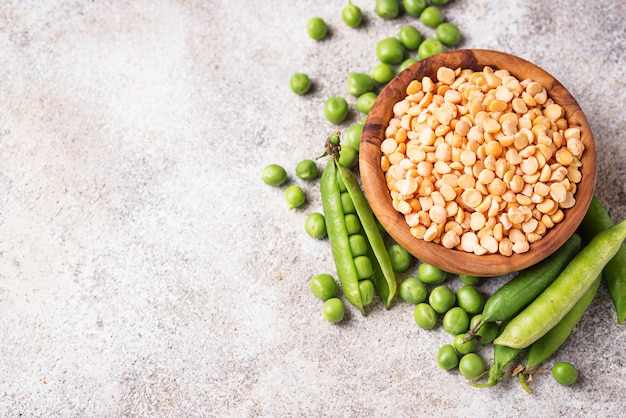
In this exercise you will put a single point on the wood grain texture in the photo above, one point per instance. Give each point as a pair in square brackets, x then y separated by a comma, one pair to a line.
[454, 261]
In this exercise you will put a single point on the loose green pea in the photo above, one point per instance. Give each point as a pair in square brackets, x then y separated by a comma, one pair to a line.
[425, 316]
[366, 287]
[300, 83]
[412, 290]
[410, 37]
[352, 15]
[334, 310]
[429, 47]
[316, 28]
[336, 109]
[364, 268]
[439, 2]
[469, 280]
[348, 157]
[447, 359]
[359, 83]
[472, 366]
[387, 9]
[294, 196]
[390, 51]
[470, 299]
[383, 73]
[406, 64]
[399, 257]
[358, 244]
[323, 286]
[431, 16]
[448, 33]
[456, 321]
[463, 344]
[315, 225]
[414, 7]
[430, 274]
[442, 299]
[565, 373]
[347, 204]
[352, 136]
[306, 170]
[274, 175]
[353, 225]
[365, 102]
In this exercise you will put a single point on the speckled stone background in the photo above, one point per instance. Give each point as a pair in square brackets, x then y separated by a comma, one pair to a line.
[145, 269]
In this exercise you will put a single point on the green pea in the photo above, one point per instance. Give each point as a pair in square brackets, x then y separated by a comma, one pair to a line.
[306, 170]
[414, 7]
[456, 321]
[365, 102]
[432, 16]
[448, 34]
[274, 175]
[334, 310]
[359, 83]
[316, 28]
[353, 225]
[410, 37]
[442, 299]
[315, 225]
[366, 287]
[399, 257]
[358, 244]
[387, 9]
[430, 274]
[346, 203]
[406, 64]
[472, 366]
[463, 344]
[364, 268]
[412, 290]
[323, 286]
[340, 184]
[470, 299]
[294, 196]
[425, 316]
[429, 47]
[348, 157]
[352, 15]
[300, 83]
[383, 73]
[336, 109]
[447, 358]
[352, 136]
[390, 51]
[469, 280]
[565, 373]
[439, 2]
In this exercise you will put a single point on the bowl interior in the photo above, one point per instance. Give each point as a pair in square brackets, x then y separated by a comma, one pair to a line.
[455, 261]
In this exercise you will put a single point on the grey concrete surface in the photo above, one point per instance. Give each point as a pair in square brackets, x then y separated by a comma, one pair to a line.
[145, 269]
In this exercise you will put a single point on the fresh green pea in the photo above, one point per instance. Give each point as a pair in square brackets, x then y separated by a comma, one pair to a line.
[336, 109]
[316, 28]
[430, 274]
[348, 157]
[406, 64]
[365, 102]
[390, 51]
[364, 268]
[456, 321]
[432, 16]
[383, 73]
[359, 83]
[353, 225]
[300, 83]
[274, 175]
[439, 2]
[294, 196]
[410, 37]
[472, 366]
[340, 184]
[414, 7]
[412, 290]
[425, 316]
[429, 47]
[387, 9]
[315, 225]
[565, 373]
[358, 244]
[447, 359]
[346, 203]
[334, 310]
[352, 136]
[400, 258]
[442, 299]
[448, 33]
[352, 15]
[470, 299]
[469, 280]
[366, 287]
[306, 170]
[323, 286]
[464, 344]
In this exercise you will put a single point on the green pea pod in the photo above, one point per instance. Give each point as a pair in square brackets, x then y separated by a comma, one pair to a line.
[384, 276]
[503, 357]
[517, 293]
[597, 219]
[559, 298]
[338, 236]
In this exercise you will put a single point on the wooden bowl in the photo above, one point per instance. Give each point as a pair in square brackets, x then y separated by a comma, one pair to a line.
[457, 261]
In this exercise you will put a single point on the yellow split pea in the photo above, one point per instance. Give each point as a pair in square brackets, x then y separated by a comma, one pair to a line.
[480, 161]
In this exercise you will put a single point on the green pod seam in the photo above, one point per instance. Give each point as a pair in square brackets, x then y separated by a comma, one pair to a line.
[384, 276]
[596, 220]
[338, 236]
[557, 300]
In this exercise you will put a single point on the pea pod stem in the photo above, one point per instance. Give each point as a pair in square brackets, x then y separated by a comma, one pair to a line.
[557, 300]
[596, 220]
[503, 357]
